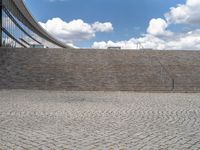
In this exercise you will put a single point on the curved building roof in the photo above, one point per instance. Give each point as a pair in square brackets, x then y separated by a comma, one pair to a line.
[24, 15]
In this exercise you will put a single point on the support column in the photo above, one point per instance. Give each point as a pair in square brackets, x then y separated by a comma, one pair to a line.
[1, 23]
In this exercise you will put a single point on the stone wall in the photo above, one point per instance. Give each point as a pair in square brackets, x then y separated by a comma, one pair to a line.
[99, 70]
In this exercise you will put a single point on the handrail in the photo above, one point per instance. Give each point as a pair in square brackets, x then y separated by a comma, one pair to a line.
[12, 37]
[162, 66]
[19, 10]
[25, 41]
[35, 27]
[173, 81]
[17, 24]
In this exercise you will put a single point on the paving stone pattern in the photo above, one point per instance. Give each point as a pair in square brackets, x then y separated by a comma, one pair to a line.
[99, 120]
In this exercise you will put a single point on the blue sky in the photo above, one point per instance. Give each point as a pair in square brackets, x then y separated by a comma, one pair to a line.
[129, 18]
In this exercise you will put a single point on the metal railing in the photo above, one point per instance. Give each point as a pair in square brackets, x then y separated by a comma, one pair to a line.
[19, 30]
[165, 75]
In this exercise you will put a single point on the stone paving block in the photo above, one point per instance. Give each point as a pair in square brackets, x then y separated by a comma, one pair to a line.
[46, 120]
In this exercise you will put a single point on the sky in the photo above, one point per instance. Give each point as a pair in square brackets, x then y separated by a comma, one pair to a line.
[130, 24]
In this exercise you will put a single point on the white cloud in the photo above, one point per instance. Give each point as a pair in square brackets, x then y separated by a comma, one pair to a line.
[133, 43]
[72, 45]
[158, 35]
[185, 13]
[102, 27]
[156, 31]
[75, 30]
[158, 27]
[181, 41]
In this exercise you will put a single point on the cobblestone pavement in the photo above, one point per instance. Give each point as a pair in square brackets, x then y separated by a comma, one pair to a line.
[99, 120]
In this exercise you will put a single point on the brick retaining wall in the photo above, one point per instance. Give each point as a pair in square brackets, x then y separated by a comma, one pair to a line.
[99, 70]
